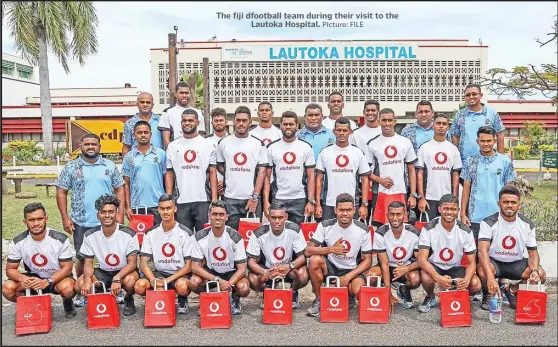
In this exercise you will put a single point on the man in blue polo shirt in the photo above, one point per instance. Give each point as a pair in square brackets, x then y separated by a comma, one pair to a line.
[420, 131]
[484, 174]
[88, 177]
[145, 106]
[143, 169]
[468, 120]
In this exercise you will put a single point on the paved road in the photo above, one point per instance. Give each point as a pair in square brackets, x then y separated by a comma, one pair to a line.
[405, 328]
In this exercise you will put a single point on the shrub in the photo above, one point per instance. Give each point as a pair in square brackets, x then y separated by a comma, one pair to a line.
[547, 148]
[26, 152]
[521, 152]
[543, 214]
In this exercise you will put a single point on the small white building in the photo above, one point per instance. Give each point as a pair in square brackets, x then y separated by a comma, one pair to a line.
[19, 80]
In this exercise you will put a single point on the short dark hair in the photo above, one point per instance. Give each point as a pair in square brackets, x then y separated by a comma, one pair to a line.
[342, 121]
[107, 199]
[181, 84]
[277, 205]
[289, 114]
[32, 207]
[218, 203]
[242, 109]
[442, 115]
[142, 123]
[190, 112]
[167, 197]
[265, 103]
[509, 190]
[219, 111]
[372, 102]
[90, 136]
[396, 204]
[448, 198]
[425, 103]
[344, 197]
[486, 129]
[335, 93]
[312, 106]
[386, 111]
[473, 85]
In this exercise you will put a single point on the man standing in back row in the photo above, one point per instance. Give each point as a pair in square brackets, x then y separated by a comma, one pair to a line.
[266, 131]
[145, 107]
[219, 124]
[336, 104]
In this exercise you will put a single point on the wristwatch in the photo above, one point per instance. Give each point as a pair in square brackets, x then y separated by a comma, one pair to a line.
[313, 202]
[365, 203]
[216, 278]
[416, 195]
[49, 280]
[291, 265]
[254, 196]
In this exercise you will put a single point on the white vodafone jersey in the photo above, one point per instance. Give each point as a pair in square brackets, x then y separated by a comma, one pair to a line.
[169, 250]
[390, 155]
[342, 166]
[509, 241]
[447, 248]
[221, 254]
[40, 257]
[439, 160]
[111, 252]
[190, 160]
[330, 123]
[214, 139]
[362, 135]
[356, 238]
[172, 120]
[289, 161]
[242, 158]
[267, 135]
[399, 250]
[276, 250]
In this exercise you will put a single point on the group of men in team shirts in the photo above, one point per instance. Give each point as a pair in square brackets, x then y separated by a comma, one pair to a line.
[345, 177]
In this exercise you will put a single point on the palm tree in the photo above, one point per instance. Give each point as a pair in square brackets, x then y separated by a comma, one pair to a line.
[37, 26]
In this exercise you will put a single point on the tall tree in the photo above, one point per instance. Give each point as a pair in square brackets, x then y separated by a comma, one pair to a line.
[36, 27]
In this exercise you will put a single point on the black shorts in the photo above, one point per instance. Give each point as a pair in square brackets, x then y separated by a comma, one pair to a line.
[454, 272]
[433, 210]
[193, 214]
[162, 274]
[79, 233]
[295, 209]
[475, 227]
[48, 290]
[106, 276]
[332, 270]
[510, 270]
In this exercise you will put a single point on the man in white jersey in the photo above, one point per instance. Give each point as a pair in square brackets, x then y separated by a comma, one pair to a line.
[244, 159]
[342, 164]
[219, 124]
[365, 133]
[335, 104]
[168, 245]
[271, 250]
[442, 244]
[171, 119]
[191, 158]
[291, 165]
[396, 244]
[218, 254]
[47, 259]
[507, 249]
[265, 130]
[340, 247]
[439, 162]
[115, 247]
[388, 154]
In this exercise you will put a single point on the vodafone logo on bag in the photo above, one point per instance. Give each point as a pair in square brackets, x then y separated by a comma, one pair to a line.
[101, 308]
[141, 226]
[249, 234]
[446, 254]
[334, 302]
[168, 250]
[116, 261]
[289, 158]
[190, 156]
[277, 304]
[455, 306]
[33, 315]
[214, 307]
[279, 253]
[508, 242]
[441, 158]
[390, 152]
[159, 305]
[219, 254]
[374, 301]
[342, 160]
[240, 158]
[39, 260]
[399, 253]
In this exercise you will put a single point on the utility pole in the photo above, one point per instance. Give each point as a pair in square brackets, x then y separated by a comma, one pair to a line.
[172, 68]
[206, 93]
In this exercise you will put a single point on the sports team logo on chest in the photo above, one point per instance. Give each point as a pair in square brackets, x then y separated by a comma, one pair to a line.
[399, 253]
[440, 158]
[508, 243]
[240, 159]
[279, 253]
[39, 260]
[342, 161]
[107, 172]
[115, 259]
[391, 152]
[446, 254]
[189, 157]
[219, 254]
[156, 159]
[289, 158]
[168, 251]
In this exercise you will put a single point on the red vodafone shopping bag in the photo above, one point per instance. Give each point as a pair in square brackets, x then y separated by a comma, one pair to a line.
[278, 308]
[531, 304]
[160, 309]
[33, 313]
[140, 223]
[102, 310]
[246, 228]
[420, 223]
[215, 309]
[308, 227]
[455, 307]
[334, 301]
[373, 302]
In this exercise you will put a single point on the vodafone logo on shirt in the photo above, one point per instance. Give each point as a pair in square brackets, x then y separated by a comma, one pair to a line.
[342, 160]
[168, 250]
[446, 254]
[441, 158]
[114, 262]
[399, 253]
[508, 242]
[189, 156]
[240, 158]
[39, 260]
[289, 158]
[347, 245]
[390, 152]
[219, 254]
[279, 253]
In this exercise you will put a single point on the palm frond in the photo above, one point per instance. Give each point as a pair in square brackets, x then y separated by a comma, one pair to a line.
[22, 27]
[82, 21]
[53, 23]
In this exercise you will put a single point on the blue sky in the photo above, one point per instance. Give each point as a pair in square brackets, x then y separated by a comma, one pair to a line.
[127, 30]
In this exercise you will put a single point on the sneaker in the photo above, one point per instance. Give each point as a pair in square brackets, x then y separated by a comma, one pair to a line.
[69, 308]
[485, 305]
[183, 307]
[296, 302]
[262, 304]
[510, 295]
[120, 298]
[504, 298]
[236, 307]
[352, 301]
[129, 307]
[427, 304]
[314, 309]
[79, 300]
[405, 297]
[477, 296]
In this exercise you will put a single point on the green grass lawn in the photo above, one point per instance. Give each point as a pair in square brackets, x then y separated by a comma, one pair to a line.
[545, 192]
